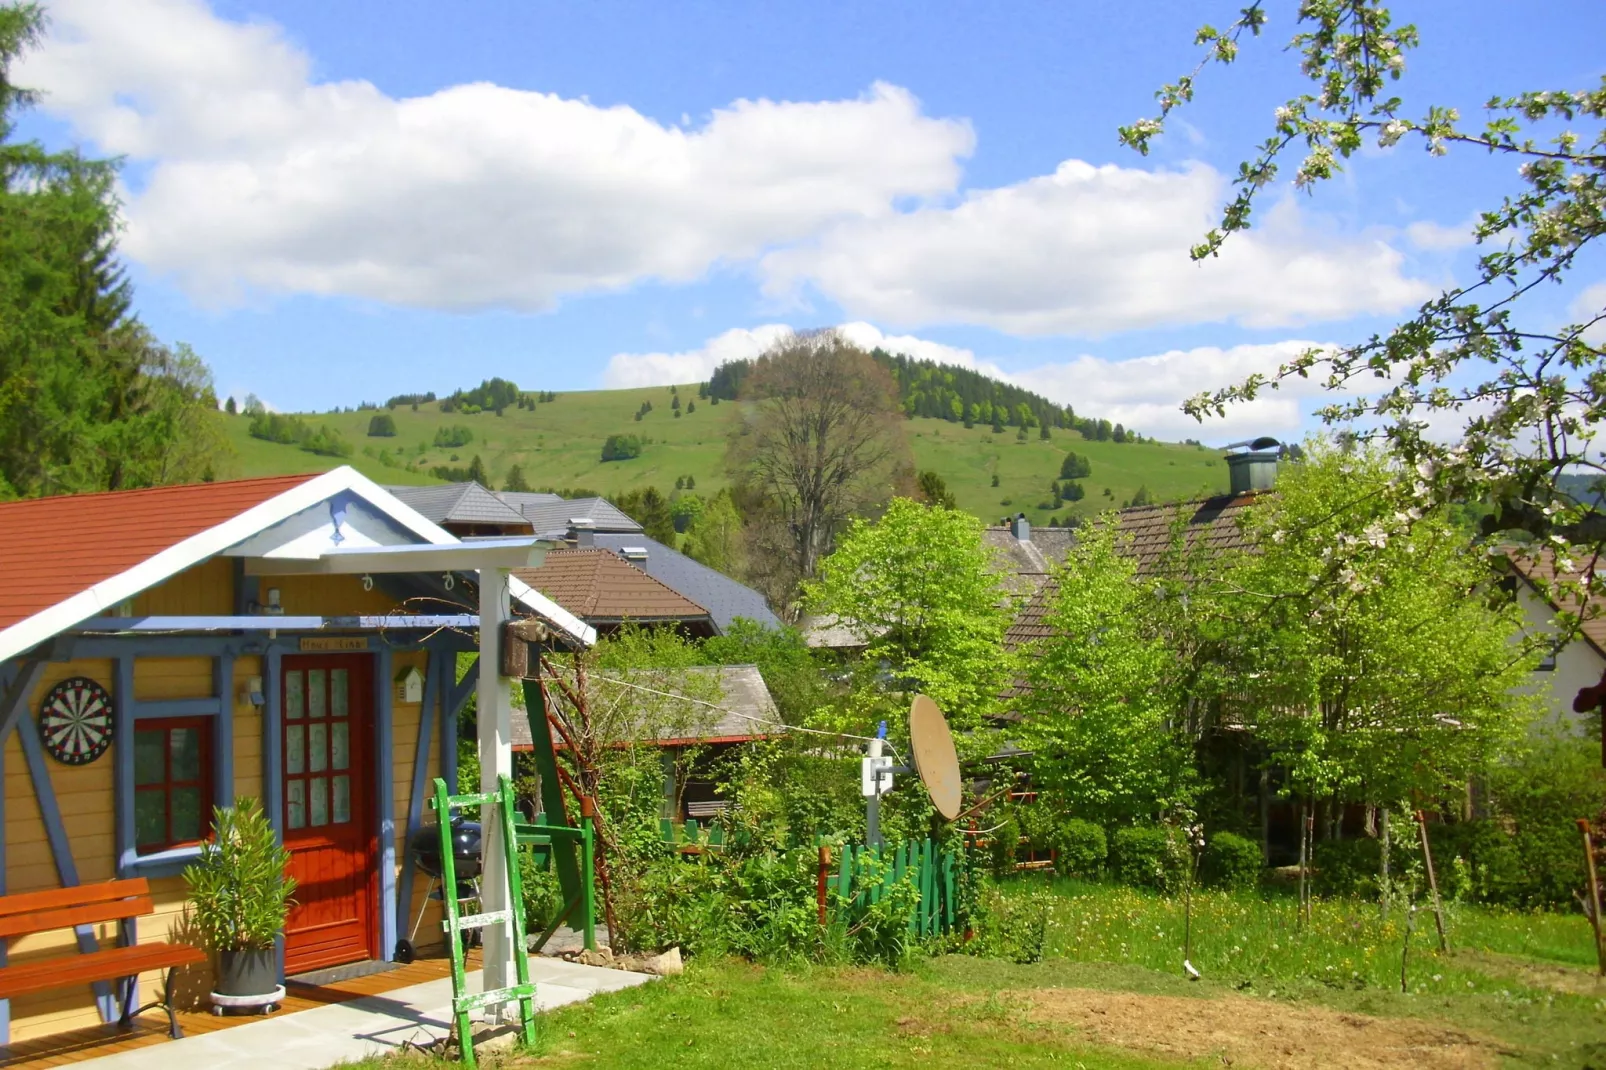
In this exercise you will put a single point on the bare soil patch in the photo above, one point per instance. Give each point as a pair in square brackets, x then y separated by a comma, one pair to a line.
[1258, 1032]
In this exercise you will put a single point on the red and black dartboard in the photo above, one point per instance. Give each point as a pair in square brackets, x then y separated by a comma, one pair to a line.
[75, 721]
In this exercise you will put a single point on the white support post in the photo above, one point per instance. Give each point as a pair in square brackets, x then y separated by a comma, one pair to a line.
[495, 719]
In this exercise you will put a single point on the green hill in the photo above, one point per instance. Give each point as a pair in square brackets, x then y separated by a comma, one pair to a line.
[559, 444]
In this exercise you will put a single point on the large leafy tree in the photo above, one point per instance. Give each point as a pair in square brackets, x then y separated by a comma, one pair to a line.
[88, 399]
[1373, 676]
[821, 443]
[1513, 397]
[922, 590]
[1099, 712]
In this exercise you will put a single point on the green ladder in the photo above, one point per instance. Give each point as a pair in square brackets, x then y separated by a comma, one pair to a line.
[464, 1001]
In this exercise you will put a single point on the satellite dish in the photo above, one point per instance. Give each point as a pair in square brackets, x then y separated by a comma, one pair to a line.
[935, 759]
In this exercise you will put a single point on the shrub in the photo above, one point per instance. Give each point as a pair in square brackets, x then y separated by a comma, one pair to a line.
[1350, 867]
[1003, 843]
[1011, 926]
[1146, 856]
[1080, 848]
[382, 425]
[621, 447]
[450, 438]
[1232, 861]
[327, 442]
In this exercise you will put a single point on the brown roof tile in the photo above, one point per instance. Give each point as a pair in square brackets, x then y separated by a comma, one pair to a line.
[600, 586]
[1145, 531]
[1542, 570]
[54, 548]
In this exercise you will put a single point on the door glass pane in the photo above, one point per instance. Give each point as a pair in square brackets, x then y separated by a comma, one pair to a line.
[316, 693]
[320, 801]
[339, 749]
[337, 692]
[295, 759]
[295, 804]
[342, 799]
[295, 699]
[317, 747]
[186, 814]
[150, 816]
[150, 763]
[184, 750]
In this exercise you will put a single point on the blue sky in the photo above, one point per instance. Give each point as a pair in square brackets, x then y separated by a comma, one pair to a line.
[334, 202]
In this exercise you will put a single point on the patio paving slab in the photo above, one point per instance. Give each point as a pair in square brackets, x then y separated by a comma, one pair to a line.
[342, 1032]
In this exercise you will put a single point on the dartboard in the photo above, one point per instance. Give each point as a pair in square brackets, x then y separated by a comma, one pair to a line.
[75, 721]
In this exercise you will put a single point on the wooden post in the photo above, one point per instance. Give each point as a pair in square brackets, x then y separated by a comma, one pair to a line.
[1594, 893]
[825, 869]
[1433, 882]
[1305, 821]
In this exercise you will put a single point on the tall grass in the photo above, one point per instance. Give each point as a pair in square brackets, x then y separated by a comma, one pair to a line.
[1252, 940]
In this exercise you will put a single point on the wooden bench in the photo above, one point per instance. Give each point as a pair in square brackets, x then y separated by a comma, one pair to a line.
[88, 904]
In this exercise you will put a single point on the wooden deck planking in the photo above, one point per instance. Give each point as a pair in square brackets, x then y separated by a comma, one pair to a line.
[150, 1028]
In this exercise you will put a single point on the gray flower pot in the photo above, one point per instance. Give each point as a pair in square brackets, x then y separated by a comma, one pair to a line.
[247, 973]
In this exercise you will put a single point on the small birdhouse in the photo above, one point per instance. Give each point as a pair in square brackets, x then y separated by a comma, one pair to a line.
[410, 686]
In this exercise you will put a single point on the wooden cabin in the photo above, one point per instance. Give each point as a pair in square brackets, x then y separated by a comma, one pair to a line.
[303, 640]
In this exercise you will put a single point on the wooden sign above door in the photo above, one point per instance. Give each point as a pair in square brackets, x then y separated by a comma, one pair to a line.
[333, 644]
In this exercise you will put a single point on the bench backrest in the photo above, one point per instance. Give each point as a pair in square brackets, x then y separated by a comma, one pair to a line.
[85, 904]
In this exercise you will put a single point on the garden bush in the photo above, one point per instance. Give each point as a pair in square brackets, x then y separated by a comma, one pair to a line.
[1080, 848]
[1232, 861]
[1147, 856]
[1003, 843]
[1350, 867]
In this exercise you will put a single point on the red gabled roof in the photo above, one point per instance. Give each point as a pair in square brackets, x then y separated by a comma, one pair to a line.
[54, 548]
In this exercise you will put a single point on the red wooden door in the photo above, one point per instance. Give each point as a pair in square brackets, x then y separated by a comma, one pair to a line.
[326, 727]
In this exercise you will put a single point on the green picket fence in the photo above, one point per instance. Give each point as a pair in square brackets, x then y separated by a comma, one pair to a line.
[866, 875]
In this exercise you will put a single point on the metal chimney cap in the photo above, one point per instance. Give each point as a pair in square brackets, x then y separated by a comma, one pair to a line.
[1264, 442]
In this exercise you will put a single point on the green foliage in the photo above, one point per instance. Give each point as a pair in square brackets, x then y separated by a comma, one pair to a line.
[382, 425]
[279, 427]
[1081, 848]
[327, 442]
[1361, 628]
[1231, 861]
[1103, 690]
[648, 507]
[715, 536]
[490, 395]
[933, 491]
[1075, 466]
[1003, 843]
[1528, 852]
[1351, 867]
[791, 673]
[1012, 926]
[922, 589]
[239, 889]
[515, 481]
[452, 437]
[1149, 856]
[621, 448]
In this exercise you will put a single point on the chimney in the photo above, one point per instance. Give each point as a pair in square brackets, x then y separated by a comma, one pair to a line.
[1020, 527]
[1255, 469]
[582, 531]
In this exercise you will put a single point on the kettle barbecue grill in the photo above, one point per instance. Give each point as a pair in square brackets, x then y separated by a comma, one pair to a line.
[425, 845]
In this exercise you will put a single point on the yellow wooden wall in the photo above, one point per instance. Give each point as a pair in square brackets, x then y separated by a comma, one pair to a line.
[85, 793]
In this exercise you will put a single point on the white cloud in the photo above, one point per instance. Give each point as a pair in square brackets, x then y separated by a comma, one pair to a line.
[1436, 237]
[1144, 393]
[1089, 250]
[1586, 307]
[626, 370]
[474, 196]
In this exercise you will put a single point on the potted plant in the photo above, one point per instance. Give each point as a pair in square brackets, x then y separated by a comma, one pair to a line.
[240, 895]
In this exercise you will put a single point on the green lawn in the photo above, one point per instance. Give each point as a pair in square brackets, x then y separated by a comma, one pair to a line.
[560, 444]
[1108, 992]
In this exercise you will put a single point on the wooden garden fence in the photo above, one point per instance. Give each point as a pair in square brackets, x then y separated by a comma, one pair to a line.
[866, 875]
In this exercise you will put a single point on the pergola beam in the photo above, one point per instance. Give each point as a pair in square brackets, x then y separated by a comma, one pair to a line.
[427, 557]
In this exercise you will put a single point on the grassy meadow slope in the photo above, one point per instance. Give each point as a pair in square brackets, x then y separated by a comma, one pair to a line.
[559, 444]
